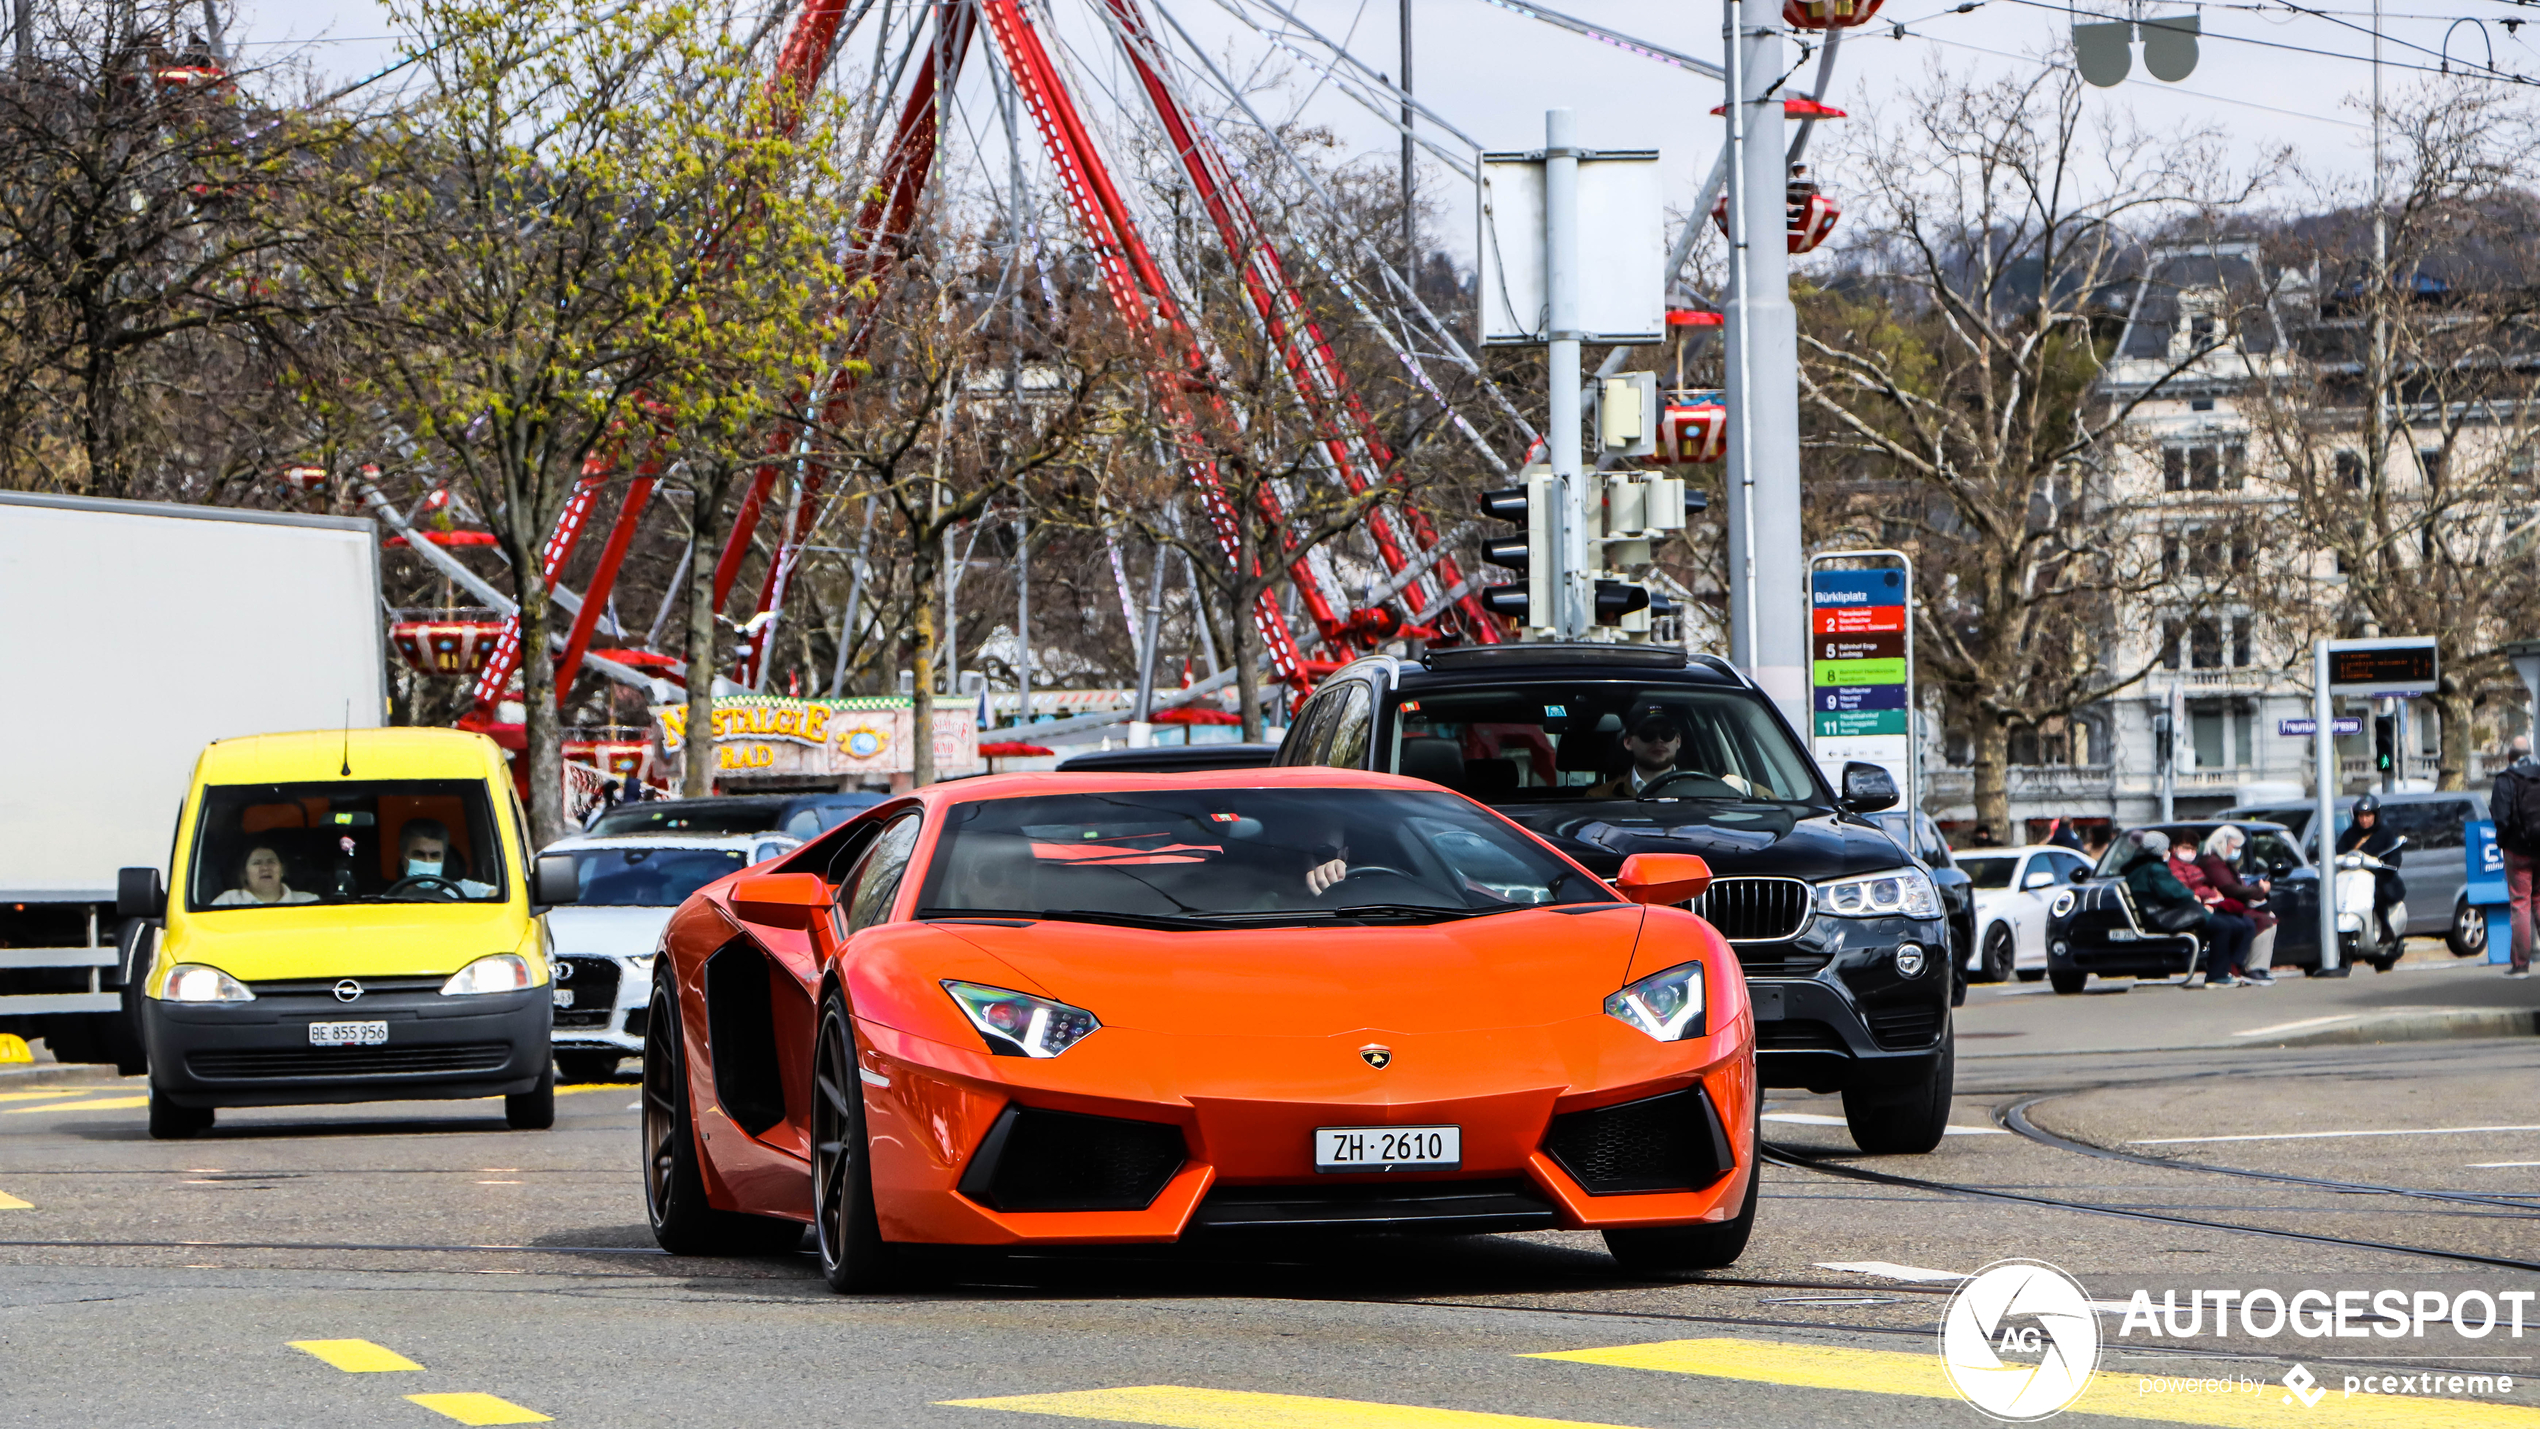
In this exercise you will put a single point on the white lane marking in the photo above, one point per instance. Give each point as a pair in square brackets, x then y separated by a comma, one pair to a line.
[634, 1106]
[2491, 1165]
[2317, 1135]
[2272, 1029]
[1810, 1118]
[1889, 1270]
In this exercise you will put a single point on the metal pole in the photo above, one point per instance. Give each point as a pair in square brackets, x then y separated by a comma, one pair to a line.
[1766, 551]
[1410, 187]
[1141, 731]
[2169, 756]
[855, 602]
[2324, 815]
[1022, 606]
[1574, 597]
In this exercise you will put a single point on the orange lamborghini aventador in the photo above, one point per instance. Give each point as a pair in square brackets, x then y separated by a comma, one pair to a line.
[1072, 1009]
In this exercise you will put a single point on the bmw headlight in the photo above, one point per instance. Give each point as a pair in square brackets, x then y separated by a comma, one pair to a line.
[193, 982]
[1018, 1024]
[1897, 893]
[500, 972]
[2063, 904]
[1666, 1005]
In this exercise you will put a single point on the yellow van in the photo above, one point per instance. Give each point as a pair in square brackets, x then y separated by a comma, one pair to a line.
[356, 917]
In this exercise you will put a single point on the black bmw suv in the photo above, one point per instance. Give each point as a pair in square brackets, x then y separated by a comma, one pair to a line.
[1841, 935]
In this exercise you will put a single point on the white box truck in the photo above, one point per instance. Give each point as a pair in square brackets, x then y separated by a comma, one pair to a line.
[132, 634]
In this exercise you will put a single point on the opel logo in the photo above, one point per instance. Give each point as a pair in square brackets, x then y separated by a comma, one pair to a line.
[347, 990]
[1376, 1056]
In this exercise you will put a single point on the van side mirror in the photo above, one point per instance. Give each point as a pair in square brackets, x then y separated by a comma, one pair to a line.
[140, 894]
[780, 900]
[555, 880]
[1663, 877]
[1867, 788]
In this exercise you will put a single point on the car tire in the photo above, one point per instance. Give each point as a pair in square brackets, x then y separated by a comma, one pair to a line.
[2030, 974]
[1909, 1120]
[534, 1109]
[674, 1187]
[1704, 1247]
[2467, 937]
[589, 1066]
[1999, 953]
[170, 1122]
[2066, 983]
[854, 1258]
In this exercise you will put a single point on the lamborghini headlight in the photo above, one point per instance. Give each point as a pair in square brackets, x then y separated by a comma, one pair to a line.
[1897, 893]
[1018, 1024]
[1666, 1005]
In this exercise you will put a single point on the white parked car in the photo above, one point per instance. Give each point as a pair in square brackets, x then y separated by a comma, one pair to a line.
[2012, 888]
[631, 884]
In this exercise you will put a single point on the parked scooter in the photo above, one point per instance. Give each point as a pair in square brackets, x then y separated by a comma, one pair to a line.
[2363, 937]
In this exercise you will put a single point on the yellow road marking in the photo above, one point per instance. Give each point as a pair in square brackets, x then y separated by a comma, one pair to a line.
[1178, 1407]
[54, 1092]
[356, 1356]
[109, 1104]
[2120, 1395]
[12, 1203]
[478, 1409]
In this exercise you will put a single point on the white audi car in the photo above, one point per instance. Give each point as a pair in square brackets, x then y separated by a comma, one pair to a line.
[631, 884]
[2012, 888]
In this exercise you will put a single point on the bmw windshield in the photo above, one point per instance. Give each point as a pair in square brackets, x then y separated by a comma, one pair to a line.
[1241, 857]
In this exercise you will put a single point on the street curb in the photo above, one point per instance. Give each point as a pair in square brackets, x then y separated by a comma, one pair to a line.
[2364, 1029]
[44, 1074]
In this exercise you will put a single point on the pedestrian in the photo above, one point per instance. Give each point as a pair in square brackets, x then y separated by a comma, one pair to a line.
[606, 801]
[2063, 836]
[2220, 864]
[2227, 934]
[2515, 805]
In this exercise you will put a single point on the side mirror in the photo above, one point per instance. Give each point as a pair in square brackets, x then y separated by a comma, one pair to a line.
[140, 894]
[2038, 878]
[781, 900]
[555, 880]
[1663, 877]
[1867, 788]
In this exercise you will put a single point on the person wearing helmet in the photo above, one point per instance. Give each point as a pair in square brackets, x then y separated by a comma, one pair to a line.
[2369, 835]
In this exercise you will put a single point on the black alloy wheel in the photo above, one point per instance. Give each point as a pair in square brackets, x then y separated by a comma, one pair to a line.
[1999, 953]
[2468, 935]
[674, 1189]
[1907, 1120]
[1703, 1247]
[853, 1255]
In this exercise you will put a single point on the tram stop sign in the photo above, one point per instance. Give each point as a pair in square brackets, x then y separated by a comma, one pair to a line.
[2405, 665]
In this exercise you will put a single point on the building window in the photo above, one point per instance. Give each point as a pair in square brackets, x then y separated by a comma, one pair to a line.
[2435, 461]
[2202, 467]
[2205, 645]
[2350, 470]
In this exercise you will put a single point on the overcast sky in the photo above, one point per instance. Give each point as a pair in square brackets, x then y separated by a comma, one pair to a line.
[2268, 76]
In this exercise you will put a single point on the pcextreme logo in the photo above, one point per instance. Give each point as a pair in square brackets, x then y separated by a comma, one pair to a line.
[2019, 1341]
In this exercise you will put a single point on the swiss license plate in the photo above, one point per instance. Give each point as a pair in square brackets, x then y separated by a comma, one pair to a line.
[347, 1034]
[1387, 1148]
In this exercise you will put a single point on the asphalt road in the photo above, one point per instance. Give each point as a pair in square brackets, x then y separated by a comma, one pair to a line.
[488, 1276]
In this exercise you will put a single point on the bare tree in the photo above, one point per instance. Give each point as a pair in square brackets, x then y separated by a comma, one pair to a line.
[1951, 370]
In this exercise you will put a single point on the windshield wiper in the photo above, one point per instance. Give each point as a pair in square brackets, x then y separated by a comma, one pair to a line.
[1169, 922]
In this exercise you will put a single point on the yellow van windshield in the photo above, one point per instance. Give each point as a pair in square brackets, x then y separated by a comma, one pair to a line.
[397, 841]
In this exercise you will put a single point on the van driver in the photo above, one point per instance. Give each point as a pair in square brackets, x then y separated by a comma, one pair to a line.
[423, 851]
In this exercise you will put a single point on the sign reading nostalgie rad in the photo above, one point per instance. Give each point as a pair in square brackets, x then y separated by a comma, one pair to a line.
[774, 735]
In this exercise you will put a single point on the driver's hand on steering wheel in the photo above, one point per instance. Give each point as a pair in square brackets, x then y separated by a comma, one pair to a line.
[1323, 875]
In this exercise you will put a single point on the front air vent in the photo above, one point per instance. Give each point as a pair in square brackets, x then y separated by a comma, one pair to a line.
[267, 1064]
[1756, 910]
[1902, 1027]
[1035, 1160]
[1664, 1143]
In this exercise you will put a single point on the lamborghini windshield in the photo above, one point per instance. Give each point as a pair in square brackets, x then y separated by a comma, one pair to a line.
[1232, 857]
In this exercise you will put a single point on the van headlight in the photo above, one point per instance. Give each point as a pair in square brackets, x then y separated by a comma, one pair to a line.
[193, 982]
[500, 972]
[1897, 893]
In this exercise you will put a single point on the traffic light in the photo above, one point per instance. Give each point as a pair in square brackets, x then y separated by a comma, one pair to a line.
[2161, 741]
[1632, 509]
[1530, 602]
[2385, 742]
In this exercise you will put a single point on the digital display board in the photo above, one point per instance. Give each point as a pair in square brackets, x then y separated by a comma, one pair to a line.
[2381, 667]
